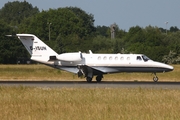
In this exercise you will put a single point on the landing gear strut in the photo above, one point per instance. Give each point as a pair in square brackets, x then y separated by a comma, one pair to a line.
[155, 78]
[86, 72]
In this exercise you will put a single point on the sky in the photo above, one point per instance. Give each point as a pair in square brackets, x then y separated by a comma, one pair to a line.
[125, 13]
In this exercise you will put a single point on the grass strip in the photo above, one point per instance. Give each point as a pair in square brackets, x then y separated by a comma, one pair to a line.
[26, 103]
[42, 72]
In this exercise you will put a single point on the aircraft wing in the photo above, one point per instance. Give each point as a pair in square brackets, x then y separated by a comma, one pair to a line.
[70, 69]
[105, 70]
[98, 69]
[84, 68]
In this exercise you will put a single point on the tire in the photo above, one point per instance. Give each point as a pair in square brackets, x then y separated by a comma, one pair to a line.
[98, 78]
[89, 79]
[155, 79]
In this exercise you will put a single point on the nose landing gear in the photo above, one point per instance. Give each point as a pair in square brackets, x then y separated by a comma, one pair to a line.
[155, 78]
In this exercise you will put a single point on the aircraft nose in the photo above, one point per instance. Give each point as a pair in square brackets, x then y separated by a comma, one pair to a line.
[169, 68]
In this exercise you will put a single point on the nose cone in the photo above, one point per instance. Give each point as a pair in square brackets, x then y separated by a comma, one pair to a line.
[169, 68]
[164, 67]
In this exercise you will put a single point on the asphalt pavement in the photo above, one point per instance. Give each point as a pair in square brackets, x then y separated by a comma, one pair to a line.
[84, 84]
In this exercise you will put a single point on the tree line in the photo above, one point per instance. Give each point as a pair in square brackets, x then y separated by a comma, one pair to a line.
[72, 29]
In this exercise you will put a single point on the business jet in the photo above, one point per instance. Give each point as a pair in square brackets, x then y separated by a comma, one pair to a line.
[90, 64]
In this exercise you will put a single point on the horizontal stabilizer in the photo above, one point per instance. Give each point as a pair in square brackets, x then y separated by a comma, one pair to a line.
[11, 35]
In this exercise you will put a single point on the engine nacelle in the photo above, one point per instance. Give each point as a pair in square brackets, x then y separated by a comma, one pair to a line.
[70, 56]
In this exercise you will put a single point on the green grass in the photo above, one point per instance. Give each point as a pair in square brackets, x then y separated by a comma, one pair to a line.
[25, 103]
[42, 72]
[33, 72]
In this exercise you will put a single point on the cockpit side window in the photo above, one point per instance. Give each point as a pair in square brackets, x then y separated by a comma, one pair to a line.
[145, 58]
[138, 58]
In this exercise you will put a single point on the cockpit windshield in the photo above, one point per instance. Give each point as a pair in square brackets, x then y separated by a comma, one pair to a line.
[145, 58]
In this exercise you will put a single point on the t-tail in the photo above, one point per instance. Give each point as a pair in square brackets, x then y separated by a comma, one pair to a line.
[38, 50]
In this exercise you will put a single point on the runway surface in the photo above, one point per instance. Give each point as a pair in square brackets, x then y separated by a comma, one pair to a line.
[84, 84]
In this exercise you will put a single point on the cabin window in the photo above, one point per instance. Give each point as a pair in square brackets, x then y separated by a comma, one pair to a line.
[116, 58]
[128, 58]
[99, 58]
[105, 58]
[110, 58]
[122, 58]
[138, 58]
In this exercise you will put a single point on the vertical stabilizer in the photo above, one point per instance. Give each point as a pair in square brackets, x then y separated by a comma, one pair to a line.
[38, 50]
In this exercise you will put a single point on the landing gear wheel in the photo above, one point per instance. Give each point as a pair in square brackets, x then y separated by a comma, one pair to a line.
[89, 79]
[155, 79]
[99, 78]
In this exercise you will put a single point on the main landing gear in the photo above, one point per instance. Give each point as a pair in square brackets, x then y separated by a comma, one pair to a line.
[155, 78]
[89, 79]
[98, 78]
[88, 73]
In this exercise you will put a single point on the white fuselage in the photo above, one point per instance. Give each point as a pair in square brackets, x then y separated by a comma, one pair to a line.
[113, 63]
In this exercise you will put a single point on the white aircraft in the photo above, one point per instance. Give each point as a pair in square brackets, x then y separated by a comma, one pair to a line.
[89, 65]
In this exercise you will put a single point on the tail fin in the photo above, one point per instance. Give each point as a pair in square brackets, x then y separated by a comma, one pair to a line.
[38, 50]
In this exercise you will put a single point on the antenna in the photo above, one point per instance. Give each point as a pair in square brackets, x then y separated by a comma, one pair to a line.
[166, 26]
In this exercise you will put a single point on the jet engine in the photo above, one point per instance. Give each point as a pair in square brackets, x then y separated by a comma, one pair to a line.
[70, 56]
